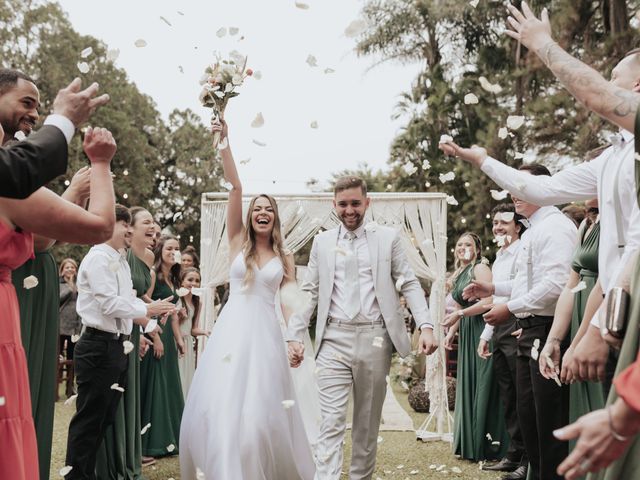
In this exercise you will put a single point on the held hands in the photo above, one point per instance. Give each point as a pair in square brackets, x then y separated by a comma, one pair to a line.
[527, 29]
[590, 356]
[99, 145]
[451, 319]
[447, 343]
[474, 155]
[295, 352]
[78, 105]
[158, 347]
[477, 290]
[427, 343]
[551, 350]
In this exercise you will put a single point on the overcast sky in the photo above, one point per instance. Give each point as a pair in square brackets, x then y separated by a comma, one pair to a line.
[352, 106]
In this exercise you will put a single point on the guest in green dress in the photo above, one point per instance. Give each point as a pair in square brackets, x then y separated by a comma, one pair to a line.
[120, 455]
[39, 310]
[479, 432]
[161, 392]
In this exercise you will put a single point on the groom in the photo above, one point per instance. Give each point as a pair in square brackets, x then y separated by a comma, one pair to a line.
[352, 276]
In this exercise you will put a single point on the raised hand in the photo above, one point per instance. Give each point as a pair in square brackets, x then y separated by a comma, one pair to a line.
[527, 29]
[78, 105]
[99, 145]
[221, 127]
[477, 290]
[474, 155]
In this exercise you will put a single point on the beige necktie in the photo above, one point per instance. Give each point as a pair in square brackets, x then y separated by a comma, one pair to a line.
[351, 277]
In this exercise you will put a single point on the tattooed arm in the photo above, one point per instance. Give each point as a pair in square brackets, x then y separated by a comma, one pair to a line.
[587, 85]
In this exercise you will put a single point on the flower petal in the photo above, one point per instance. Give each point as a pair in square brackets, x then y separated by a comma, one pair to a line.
[258, 121]
[514, 122]
[470, 99]
[30, 282]
[140, 43]
[86, 52]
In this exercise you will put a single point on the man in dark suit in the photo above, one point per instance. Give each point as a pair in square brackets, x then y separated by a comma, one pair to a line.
[27, 165]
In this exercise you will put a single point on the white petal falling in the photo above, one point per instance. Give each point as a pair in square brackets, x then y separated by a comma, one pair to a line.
[414, 472]
[198, 292]
[259, 143]
[451, 200]
[227, 358]
[514, 122]
[145, 429]
[180, 68]
[380, 439]
[488, 86]
[314, 124]
[257, 75]
[71, 400]
[86, 52]
[221, 32]
[355, 28]
[302, 6]
[534, 353]
[117, 387]
[287, 404]
[467, 253]
[245, 161]
[518, 156]
[140, 43]
[499, 195]
[579, 287]
[536, 343]
[444, 138]
[312, 61]
[474, 4]
[329, 70]
[199, 474]
[182, 292]
[458, 469]
[127, 347]
[83, 67]
[500, 240]
[233, 31]
[377, 342]
[113, 54]
[470, 99]
[165, 21]
[400, 282]
[503, 133]
[64, 471]
[258, 121]
[409, 168]
[20, 136]
[447, 177]
[75, 338]
[30, 282]
[171, 447]
[426, 165]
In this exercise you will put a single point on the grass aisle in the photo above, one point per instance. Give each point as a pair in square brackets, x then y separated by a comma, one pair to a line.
[400, 456]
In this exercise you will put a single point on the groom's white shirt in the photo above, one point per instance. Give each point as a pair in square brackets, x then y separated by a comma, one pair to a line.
[369, 308]
[387, 262]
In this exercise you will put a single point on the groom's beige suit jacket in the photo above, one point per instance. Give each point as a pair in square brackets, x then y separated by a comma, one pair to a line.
[389, 264]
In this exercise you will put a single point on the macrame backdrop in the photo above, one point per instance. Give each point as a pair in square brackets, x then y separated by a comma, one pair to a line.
[421, 218]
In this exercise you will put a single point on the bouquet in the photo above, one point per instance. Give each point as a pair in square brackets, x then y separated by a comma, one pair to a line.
[219, 84]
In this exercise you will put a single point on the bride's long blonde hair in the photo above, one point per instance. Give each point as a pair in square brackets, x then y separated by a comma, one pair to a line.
[249, 244]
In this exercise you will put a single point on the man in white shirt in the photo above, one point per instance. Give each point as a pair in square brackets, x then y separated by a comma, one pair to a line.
[107, 306]
[507, 229]
[352, 277]
[611, 178]
[542, 270]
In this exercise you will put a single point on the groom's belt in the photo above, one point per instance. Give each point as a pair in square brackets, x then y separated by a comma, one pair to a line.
[356, 322]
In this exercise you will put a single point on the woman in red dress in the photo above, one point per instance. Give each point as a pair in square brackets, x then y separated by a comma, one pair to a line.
[47, 214]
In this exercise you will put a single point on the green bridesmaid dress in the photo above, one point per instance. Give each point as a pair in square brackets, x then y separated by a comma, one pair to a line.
[120, 455]
[584, 397]
[479, 431]
[39, 328]
[161, 392]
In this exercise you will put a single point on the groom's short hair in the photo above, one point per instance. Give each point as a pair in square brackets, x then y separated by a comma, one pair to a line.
[350, 181]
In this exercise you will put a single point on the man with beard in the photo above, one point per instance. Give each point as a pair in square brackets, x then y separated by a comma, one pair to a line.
[30, 164]
[352, 276]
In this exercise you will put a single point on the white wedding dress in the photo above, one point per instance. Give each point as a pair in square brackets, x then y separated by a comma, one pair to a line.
[239, 421]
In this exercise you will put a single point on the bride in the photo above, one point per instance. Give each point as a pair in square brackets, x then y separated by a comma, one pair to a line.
[241, 420]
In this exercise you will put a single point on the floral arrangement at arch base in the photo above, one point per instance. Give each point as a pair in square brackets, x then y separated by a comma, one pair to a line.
[219, 83]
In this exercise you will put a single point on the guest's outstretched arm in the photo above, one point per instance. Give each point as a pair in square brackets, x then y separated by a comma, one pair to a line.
[589, 87]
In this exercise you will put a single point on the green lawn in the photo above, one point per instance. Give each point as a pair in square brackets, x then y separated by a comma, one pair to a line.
[400, 455]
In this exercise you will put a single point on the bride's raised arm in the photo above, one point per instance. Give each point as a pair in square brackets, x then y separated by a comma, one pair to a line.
[235, 226]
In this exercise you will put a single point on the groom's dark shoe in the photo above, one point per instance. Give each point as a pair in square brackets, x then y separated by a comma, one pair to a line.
[504, 465]
[519, 473]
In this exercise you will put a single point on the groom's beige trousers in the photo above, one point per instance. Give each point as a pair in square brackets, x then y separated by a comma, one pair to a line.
[352, 354]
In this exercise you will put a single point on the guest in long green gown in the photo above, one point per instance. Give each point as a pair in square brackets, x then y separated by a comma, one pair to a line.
[479, 431]
[161, 392]
[39, 328]
[120, 455]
